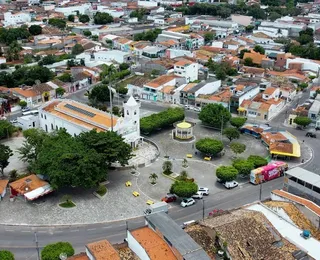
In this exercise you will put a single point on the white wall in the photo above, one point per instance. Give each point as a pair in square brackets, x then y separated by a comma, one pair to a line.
[136, 247]
[307, 65]
[249, 94]
[27, 122]
[189, 72]
[73, 9]
[209, 88]
[118, 56]
[147, 3]
[14, 19]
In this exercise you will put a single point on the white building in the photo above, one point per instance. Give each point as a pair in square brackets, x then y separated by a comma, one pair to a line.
[117, 13]
[76, 117]
[82, 9]
[110, 56]
[306, 64]
[29, 121]
[187, 69]
[16, 18]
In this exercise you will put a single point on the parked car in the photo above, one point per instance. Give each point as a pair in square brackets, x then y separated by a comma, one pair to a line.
[25, 109]
[231, 184]
[169, 198]
[189, 107]
[188, 223]
[220, 181]
[14, 121]
[204, 191]
[197, 109]
[310, 134]
[187, 202]
[198, 195]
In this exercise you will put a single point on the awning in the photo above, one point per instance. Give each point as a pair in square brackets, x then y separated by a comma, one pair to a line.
[32, 195]
[241, 109]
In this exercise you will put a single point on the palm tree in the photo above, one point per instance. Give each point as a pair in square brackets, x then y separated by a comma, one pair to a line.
[183, 175]
[167, 167]
[153, 177]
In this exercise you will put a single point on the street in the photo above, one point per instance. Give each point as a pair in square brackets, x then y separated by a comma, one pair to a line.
[21, 241]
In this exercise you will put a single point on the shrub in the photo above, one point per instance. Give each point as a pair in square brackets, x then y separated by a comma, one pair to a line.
[160, 120]
[6, 255]
[244, 167]
[257, 161]
[102, 190]
[184, 188]
[227, 173]
[52, 251]
[209, 146]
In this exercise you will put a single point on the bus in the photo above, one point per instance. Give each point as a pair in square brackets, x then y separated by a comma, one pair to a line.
[268, 172]
[28, 113]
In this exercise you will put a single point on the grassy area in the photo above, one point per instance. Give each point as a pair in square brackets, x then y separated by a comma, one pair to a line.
[102, 190]
[67, 204]
[133, 80]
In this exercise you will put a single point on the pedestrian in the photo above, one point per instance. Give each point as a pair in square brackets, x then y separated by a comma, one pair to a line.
[303, 141]
[302, 161]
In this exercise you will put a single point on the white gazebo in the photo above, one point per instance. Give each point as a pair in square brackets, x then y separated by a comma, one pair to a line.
[183, 131]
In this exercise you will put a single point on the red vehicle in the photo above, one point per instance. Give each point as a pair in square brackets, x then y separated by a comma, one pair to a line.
[169, 198]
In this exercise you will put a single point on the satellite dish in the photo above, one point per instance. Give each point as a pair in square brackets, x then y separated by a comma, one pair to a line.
[38, 82]
[63, 256]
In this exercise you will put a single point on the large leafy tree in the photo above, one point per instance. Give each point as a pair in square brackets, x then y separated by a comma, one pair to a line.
[260, 49]
[68, 162]
[35, 29]
[6, 129]
[84, 18]
[214, 115]
[257, 161]
[244, 167]
[238, 121]
[6, 255]
[184, 188]
[108, 144]
[231, 133]
[99, 94]
[302, 121]
[209, 146]
[53, 251]
[77, 49]
[32, 146]
[60, 23]
[237, 148]
[226, 173]
[5, 153]
[102, 18]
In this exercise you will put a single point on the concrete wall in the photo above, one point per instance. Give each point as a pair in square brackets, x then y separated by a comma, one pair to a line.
[136, 247]
[209, 88]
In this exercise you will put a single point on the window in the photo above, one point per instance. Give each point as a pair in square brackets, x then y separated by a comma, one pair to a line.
[309, 186]
[45, 117]
[294, 179]
[46, 128]
[316, 189]
[41, 115]
[301, 182]
[56, 127]
[33, 124]
[135, 112]
[127, 112]
[51, 126]
[135, 122]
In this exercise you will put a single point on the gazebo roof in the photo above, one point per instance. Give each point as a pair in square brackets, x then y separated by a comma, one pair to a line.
[184, 125]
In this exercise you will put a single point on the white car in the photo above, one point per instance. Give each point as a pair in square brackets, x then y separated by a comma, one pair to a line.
[187, 202]
[198, 195]
[204, 191]
[230, 184]
[197, 109]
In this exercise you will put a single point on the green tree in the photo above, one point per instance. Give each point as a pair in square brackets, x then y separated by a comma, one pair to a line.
[6, 255]
[71, 18]
[110, 145]
[167, 167]
[87, 33]
[47, 60]
[150, 35]
[237, 148]
[116, 110]
[302, 121]
[184, 189]
[23, 103]
[231, 133]
[215, 115]
[274, 16]
[13, 52]
[99, 94]
[238, 122]
[77, 49]
[226, 173]
[60, 23]
[259, 49]
[28, 58]
[6, 129]
[122, 90]
[84, 18]
[221, 74]
[248, 62]
[153, 178]
[35, 29]
[32, 145]
[139, 13]
[124, 66]
[95, 37]
[102, 18]
[65, 77]
[257, 161]
[242, 52]
[305, 39]
[257, 13]
[70, 163]
[60, 91]
[244, 167]
[209, 146]
[209, 36]
[5, 154]
[52, 251]
[303, 85]
[249, 28]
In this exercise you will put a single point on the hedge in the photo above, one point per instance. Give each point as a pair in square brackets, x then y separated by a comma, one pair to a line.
[160, 120]
[52, 251]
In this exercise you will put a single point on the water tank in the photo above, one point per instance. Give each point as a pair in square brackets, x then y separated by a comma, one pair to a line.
[306, 233]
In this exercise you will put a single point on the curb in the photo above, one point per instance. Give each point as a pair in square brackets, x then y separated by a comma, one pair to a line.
[305, 162]
[169, 177]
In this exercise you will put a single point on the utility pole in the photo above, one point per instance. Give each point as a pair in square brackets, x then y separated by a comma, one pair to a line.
[37, 244]
[110, 95]
[203, 209]
[221, 126]
[260, 192]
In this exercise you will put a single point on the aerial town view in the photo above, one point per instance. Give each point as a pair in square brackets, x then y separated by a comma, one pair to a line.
[159, 130]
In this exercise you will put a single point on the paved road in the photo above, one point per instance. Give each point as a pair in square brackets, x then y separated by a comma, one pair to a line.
[20, 239]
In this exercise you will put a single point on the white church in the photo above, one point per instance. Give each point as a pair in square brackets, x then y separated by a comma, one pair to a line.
[77, 117]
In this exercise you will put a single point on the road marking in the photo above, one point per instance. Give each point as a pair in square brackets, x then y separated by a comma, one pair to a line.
[25, 231]
[9, 230]
[90, 229]
[42, 231]
[107, 227]
[58, 231]
[74, 230]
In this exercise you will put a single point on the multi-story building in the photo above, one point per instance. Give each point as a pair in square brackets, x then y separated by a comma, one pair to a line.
[16, 18]
[187, 69]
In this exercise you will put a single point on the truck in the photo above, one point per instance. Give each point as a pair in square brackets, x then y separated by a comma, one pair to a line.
[269, 172]
[157, 207]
